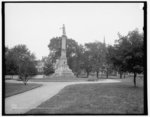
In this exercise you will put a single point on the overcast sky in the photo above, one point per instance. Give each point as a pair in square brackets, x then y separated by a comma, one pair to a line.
[35, 24]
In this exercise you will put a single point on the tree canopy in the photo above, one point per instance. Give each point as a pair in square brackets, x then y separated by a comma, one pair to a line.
[19, 60]
[128, 53]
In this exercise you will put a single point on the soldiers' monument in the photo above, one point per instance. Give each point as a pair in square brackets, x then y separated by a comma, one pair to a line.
[61, 68]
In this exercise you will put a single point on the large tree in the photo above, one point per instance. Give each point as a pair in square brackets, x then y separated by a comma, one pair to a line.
[20, 61]
[110, 54]
[116, 54]
[10, 65]
[55, 48]
[26, 68]
[78, 60]
[97, 51]
[130, 53]
[135, 54]
[87, 62]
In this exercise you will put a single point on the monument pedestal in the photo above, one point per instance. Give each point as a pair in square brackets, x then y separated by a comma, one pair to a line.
[62, 69]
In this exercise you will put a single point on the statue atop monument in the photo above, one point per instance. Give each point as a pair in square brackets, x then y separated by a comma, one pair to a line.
[63, 28]
[62, 69]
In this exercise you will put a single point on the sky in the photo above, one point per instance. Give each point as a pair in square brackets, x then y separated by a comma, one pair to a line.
[34, 24]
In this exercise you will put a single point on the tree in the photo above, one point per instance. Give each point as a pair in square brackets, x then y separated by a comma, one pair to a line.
[72, 49]
[55, 48]
[87, 62]
[109, 62]
[48, 66]
[26, 68]
[135, 54]
[20, 61]
[116, 56]
[11, 67]
[97, 52]
[130, 53]
[78, 60]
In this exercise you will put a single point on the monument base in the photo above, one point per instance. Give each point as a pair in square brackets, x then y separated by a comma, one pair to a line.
[63, 70]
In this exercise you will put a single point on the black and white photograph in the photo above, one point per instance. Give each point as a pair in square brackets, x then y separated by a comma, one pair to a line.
[74, 58]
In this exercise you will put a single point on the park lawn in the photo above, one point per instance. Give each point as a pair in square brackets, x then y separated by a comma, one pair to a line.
[105, 98]
[16, 88]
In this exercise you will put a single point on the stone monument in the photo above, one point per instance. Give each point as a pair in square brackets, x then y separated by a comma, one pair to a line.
[61, 67]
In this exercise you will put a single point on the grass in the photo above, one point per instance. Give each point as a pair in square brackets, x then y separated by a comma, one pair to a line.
[105, 98]
[16, 88]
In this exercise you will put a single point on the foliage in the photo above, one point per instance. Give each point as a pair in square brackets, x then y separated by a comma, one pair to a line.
[87, 66]
[78, 60]
[129, 53]
[26, 69]
[96, 58]
[19, 60]
[135, 53]
[114, 58]
[55, 48]
[48, 66]
[110, 53]
[11, 67]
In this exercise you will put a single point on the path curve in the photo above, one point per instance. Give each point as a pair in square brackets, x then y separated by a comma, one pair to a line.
[22, 103]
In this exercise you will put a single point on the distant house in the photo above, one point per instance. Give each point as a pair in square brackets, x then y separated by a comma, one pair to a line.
[40, 66]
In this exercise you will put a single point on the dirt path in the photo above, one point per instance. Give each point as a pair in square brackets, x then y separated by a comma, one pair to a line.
[21, 103]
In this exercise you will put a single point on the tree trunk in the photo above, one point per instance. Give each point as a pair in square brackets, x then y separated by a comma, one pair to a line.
[25, 80]
[100, 74]
[134, 80]
[87, 74]
[124, 75]
[120, 75]
[25, 83]
[77, 75]
[107, 73]
[97, 73]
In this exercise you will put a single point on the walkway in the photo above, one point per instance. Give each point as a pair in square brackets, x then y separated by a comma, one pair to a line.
[22, 103]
